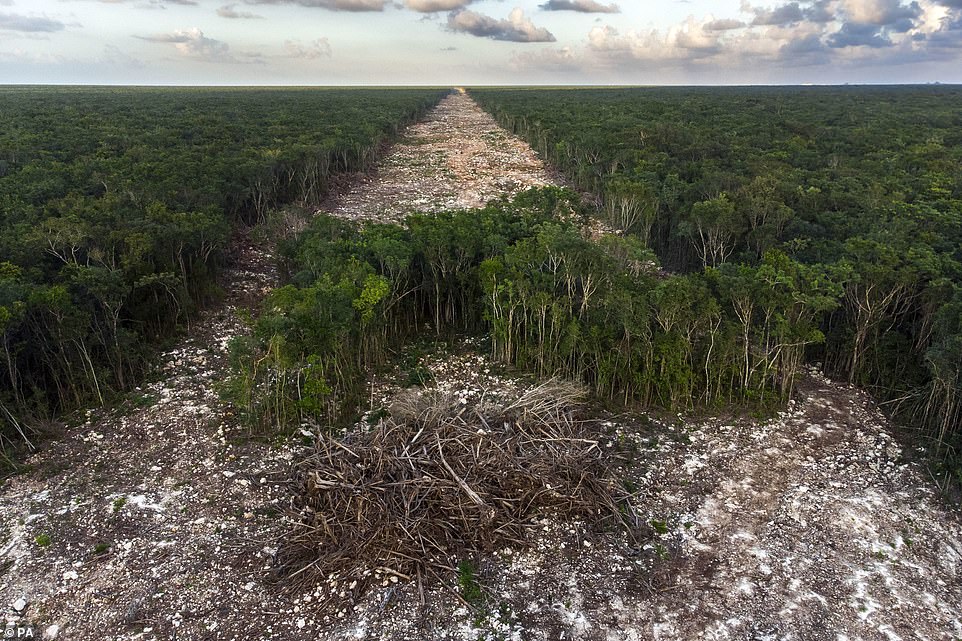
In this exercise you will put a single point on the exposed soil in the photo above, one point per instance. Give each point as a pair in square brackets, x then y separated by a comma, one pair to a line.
[458, 157]
[158, 519]
[153, 520]
[810, 525]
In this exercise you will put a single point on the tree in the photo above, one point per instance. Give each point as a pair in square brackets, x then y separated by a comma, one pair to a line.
[767, 215]
[632, 207]
[714, 228]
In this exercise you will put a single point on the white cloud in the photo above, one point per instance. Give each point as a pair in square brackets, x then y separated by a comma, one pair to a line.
[433, 6]
[193, 44]
[113, 55]
[332, 5]
[230, 11]
[562, 59]
[30, 24]
[154, 4]
[879, 12]
[22, 56]
[516, 28]
[686, 41]
[581, 6]
[723, 24]
[857, 32]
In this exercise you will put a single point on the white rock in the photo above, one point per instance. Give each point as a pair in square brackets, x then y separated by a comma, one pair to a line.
[20, 604]
[51, 632]
[70, 575]
[301, 623]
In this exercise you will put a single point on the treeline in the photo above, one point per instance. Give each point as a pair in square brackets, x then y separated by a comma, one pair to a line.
[862, 183]
[553, 301]
[116, 206]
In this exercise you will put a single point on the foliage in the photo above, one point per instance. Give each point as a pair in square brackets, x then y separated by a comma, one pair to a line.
[860, 188]
[468, 584]
[554, 302]
[116, 206]
[356, 293]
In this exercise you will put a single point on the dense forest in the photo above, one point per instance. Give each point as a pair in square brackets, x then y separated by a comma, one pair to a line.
[756, 231]
[116, 206]
[760, 231]
[555, 302]
[859, 188]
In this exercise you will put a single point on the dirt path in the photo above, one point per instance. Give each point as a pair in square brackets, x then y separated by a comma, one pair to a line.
[456, 158]
[809, 526]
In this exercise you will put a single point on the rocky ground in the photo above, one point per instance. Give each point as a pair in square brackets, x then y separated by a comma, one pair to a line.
[811, 525]
[153, 519]
[158, 519]
[805, 526]
[458, 157]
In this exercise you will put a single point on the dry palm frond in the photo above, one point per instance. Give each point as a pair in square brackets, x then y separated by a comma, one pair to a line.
[439, 480]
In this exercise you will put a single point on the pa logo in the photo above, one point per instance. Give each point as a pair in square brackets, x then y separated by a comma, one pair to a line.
[18, 632]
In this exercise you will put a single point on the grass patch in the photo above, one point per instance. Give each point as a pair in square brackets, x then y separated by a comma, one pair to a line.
[468, 584]
[661, 527]
[418, 376]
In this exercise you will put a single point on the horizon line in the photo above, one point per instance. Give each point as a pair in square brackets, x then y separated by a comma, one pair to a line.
[480, 85]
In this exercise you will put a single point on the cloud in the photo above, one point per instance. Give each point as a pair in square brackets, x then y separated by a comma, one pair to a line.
[724, 24]
[804, 50]
[229, 11]
[784, 15]
[583, 6]
[22, 56]
[154, 4]
[879, 12]
[563, 59]
[30, 24]
[193, 44]
[854, 34]
[947, 40]
[516, 28]
[313, 50]
[843, 36]
[817, 11]
[687, 41]
[820, 12]
[433, 6]
[331, 5]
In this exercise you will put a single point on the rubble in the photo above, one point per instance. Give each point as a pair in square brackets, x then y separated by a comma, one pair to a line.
[458, 157]
[812, 524]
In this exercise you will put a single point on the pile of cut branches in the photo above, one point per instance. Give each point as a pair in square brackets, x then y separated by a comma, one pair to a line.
[439, 480]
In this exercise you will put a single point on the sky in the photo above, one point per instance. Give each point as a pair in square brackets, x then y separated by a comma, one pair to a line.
[478, 42]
